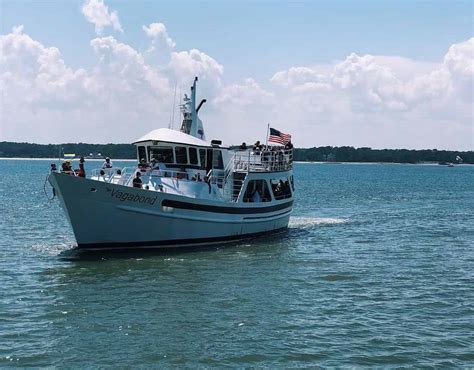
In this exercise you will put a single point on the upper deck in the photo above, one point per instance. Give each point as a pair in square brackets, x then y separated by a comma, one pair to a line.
[274, 159]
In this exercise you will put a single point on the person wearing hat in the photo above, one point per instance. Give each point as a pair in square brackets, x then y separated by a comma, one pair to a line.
[66, 167]
[142, 165]
[107, 163]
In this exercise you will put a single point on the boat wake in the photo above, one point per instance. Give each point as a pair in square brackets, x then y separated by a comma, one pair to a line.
[308, 222]
[53, 249]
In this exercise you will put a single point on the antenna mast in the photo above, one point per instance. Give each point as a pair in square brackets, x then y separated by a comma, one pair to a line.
[174, 104]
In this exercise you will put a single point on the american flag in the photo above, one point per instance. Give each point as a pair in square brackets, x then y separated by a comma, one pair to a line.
[278, 137]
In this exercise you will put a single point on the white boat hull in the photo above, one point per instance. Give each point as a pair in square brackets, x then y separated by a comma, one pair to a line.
[105, 215]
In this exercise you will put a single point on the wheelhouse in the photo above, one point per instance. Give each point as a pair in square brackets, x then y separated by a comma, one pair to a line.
[175, 152]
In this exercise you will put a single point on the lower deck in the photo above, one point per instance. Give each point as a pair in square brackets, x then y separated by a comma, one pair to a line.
[236, 187]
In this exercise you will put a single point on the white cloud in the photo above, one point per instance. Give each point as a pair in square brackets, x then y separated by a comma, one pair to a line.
[185, 65]
[297, 76]
[372, 83]
[243, 96]
[119, 98]
[362, 100]
[97, 12]
[157, 32]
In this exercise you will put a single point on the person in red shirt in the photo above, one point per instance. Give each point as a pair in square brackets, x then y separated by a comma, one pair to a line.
[82, 171]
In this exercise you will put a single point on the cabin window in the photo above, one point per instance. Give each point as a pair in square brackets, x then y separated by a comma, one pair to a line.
[257, 191]
[141, 152]
[202, 158]
[217, 161]
[193, 156]
[181, 155]
[163, 154]
[281, 188]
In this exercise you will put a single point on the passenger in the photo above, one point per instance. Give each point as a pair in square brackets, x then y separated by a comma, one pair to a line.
[207, 179]
[66, 167]
[288, 145]
[243, 146]
[194, 178]
[137, 181]
[142, 165]
[82, 171]
[159, 165]
[182, 174]
[53, 167]
[257, 147]
[280, 157]
[266, 155]
[278, 189]
[107, 163]
[281, 185]
[256, 198]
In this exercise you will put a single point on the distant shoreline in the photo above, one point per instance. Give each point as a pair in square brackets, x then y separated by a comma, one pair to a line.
[322, 154]
[62, 159]
[299, 162]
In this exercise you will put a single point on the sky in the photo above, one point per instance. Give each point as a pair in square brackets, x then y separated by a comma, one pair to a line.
[380, 74]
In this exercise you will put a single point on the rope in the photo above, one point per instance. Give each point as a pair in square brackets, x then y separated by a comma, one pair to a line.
[46, 193]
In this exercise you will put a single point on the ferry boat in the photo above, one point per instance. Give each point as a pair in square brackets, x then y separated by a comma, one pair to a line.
[192, 192]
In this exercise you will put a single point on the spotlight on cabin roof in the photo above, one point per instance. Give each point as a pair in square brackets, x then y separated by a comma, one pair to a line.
[216, 142]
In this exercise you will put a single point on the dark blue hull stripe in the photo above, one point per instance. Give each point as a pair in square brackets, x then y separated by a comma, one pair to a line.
[219, 209]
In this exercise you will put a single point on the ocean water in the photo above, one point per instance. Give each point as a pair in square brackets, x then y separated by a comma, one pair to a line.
[376, 269]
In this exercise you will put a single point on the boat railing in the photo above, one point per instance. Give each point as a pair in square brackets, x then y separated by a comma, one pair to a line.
[263, 161]
[124, 176]
[113, 175]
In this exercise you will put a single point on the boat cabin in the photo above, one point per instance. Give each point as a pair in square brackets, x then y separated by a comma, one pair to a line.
[178, 152]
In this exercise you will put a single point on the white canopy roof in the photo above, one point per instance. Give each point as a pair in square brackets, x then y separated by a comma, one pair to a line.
[172, 136]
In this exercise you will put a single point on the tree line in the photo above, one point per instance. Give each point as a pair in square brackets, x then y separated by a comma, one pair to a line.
[28, 150]
[351, 154]
[323, 154]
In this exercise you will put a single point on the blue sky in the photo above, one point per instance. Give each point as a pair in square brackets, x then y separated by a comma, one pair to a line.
[256, 38]
[362, 73]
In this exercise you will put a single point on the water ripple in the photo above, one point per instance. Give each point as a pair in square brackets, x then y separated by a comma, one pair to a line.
[376, 270]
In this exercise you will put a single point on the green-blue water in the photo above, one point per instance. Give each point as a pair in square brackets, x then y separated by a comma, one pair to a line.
[376, 269]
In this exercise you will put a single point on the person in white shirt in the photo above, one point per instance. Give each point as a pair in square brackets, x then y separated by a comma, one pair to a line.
[160, 166]
[107, 163]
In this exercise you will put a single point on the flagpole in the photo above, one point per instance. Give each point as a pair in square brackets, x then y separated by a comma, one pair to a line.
[268, 130]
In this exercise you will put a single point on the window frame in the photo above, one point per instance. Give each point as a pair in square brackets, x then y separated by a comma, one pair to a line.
[286, 190]
[217, 159]
[161, 147]
[194, 150]
[264, 191]
[185, 152]
[143, 149]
